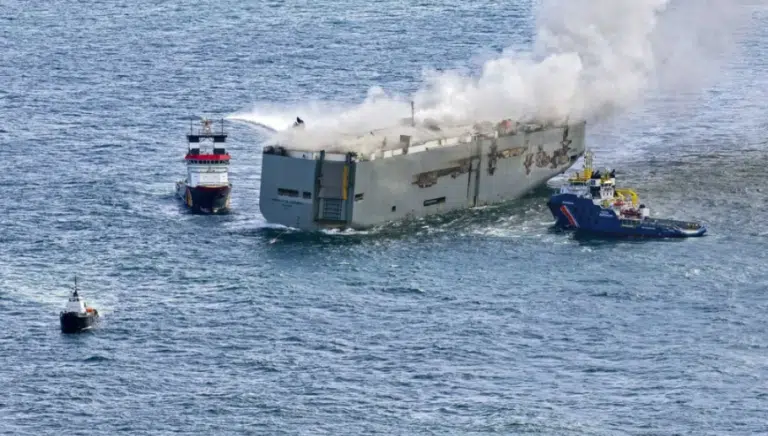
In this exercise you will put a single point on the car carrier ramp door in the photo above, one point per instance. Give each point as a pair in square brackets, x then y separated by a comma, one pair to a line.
[332, 191]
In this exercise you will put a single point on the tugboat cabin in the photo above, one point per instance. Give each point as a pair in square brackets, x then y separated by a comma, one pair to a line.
[215, 155]
[207, 165]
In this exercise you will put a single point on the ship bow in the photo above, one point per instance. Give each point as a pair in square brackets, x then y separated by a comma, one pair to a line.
[564, 217]
[209, 199]
[73, 323]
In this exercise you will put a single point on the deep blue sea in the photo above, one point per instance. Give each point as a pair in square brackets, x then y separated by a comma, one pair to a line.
[481, 322]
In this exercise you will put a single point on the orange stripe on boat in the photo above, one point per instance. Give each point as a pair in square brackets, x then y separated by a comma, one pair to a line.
[568, 215]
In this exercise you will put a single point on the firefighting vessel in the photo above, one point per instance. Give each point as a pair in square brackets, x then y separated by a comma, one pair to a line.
[206, 189]
[590, 202]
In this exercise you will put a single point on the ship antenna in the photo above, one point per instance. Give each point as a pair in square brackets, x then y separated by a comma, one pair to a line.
[413, 115]
[75, 284]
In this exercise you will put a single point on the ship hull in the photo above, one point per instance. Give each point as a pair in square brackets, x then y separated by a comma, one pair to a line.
[583, 216]
[205, 199]
[311, 192]
[73, 322]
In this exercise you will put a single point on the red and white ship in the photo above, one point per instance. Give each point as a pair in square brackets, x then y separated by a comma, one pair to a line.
[206, 189]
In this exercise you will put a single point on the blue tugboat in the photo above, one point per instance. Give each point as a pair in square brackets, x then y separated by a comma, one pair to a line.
[591, 203]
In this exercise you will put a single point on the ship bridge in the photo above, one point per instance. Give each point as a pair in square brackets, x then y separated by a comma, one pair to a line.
[207, 160]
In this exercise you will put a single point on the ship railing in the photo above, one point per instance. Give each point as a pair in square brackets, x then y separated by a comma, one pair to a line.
[206, 132]
[573, 189]
[684, 225]
[405, 146]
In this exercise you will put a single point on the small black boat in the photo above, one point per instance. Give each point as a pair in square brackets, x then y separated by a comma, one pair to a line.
[77, 316]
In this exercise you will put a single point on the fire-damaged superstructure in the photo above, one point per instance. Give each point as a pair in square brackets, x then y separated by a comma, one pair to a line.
[415, 171]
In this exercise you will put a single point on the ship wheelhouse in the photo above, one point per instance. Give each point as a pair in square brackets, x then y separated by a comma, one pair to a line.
[207, 166]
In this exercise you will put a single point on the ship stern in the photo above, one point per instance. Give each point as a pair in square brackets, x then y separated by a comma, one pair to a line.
[306, 190]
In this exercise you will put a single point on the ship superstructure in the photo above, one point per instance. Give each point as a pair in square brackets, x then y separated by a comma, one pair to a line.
[411, 171]
[206, 189]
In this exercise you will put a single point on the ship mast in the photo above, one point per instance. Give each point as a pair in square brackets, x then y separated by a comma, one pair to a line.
[588, 164]
[206, 133]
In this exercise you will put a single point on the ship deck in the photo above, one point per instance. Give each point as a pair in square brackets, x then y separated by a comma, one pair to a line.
[395, 140]
[674, 223]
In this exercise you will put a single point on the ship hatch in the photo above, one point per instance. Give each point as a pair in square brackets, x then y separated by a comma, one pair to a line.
[332, 209]
[332, 190]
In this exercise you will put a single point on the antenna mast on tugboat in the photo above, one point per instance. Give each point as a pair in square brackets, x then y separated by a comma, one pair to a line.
[587, 164]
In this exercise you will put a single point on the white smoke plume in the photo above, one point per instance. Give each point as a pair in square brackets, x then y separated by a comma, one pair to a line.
[591, 59]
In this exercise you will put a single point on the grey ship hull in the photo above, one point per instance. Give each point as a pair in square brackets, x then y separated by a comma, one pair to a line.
[319, 190]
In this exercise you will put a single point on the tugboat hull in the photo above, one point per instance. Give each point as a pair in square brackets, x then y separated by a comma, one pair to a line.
[572, 212]
[205, 199]
[75, 322]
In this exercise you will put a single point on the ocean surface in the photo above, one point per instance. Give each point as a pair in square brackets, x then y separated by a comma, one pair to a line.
[481, 322]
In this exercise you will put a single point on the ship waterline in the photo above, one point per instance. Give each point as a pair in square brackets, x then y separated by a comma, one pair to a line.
[424, 173]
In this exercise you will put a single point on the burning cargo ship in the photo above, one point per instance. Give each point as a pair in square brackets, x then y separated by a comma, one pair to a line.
[416, 170]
